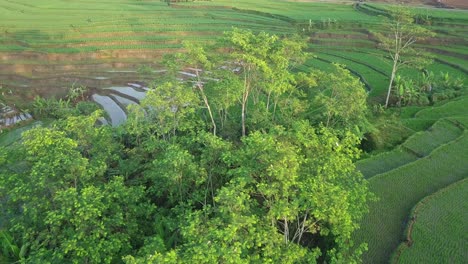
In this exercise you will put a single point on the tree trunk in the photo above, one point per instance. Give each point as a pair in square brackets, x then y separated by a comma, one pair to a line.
[205, 100]
[268, 101]
[209, 111]
[244, 101]
[286, 231]
[245, 97]
[392, 77]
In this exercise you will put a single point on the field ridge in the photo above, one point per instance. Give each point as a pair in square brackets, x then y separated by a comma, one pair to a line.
[365, 165]
[400, 189]
[414, 218]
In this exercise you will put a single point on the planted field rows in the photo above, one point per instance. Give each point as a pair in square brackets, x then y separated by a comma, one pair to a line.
[338, 32]
[419, 145]
[438, 231]
[425, 163]
[400, 189]
[455, 108]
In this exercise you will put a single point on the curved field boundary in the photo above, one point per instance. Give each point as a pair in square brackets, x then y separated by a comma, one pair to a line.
[370, 10]
[400, 189]
[451, 109]
[453, 200]
[375, 80]
[446, 52]
[424, 142]
[453, 65]
[357, 74]
[419, 145]
[245, 11]
[424, 118]
[385, 162]
[357, 61]
[434, 14]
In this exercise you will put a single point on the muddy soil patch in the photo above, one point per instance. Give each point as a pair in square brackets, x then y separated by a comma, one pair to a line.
[85, 56]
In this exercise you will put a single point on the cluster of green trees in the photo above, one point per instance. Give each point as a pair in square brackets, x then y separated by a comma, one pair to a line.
[400, 33]
[428, 88]
[247, 163]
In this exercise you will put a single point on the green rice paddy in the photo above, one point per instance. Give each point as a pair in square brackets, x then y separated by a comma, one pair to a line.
[42, 39]
[438, 232]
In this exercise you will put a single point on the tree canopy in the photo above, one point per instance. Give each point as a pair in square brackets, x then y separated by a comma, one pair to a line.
[400, 34]
[248, 163]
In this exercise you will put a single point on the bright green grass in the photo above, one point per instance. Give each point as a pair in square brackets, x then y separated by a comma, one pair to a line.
[432, 12]
[458, 62]
[440, 233]
[417, 146]
[315, 63]
[421, 118]
[297, 10]
[456, 108]
[8, 137]
[400, 189]
[61, 26]
[385, 162]
[376, 80]
[424, 142]
[453, 49]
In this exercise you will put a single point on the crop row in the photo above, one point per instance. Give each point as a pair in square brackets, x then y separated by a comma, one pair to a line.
[437, 229]
[375, 79]
[400, 189]
[419, 145]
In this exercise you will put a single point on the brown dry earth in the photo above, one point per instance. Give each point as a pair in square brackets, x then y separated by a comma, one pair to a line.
[448, 3]
[456, 3]
[28, 74]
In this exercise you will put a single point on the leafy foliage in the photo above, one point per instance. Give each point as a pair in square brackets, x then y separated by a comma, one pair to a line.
[273, 186]
[398, 39]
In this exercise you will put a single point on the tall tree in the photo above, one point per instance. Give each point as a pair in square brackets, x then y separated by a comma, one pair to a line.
[339, 100]
[291, 194]
[398, 38]
[265, 61]
[196, 57]
[166, 109]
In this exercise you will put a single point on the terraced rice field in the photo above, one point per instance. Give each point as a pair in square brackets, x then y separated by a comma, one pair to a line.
[438, 231]
[48, 45]
[418, 146]
[115, 100]
[425, 163]
[401, 188]
[45, 46]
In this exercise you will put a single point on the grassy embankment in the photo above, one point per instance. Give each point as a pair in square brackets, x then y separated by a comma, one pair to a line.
[437, 231]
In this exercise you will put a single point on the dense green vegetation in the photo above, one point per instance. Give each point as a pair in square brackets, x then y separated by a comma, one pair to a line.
[240, 169]
[250, 167]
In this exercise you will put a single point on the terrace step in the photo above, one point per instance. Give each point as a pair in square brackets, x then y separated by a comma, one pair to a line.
[419, 145]
[10, 117]
[447, 216]
[451, 108]
[400, 189]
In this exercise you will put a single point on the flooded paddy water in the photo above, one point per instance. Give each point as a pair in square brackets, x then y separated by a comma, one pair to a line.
[114, 101]
[112, 80]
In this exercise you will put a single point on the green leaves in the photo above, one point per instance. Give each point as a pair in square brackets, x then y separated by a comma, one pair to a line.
[174, 175]
[168, 109]
[341, 100]
[59, 202]
[400, 35]
[284, 192]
